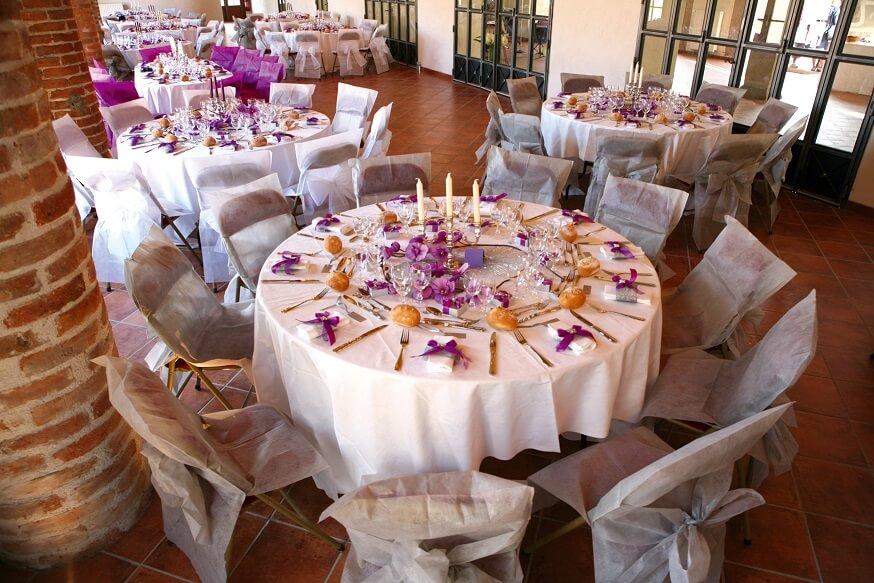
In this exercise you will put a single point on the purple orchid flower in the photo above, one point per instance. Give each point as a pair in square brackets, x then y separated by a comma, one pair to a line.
[443, 288]
[438, 251]
[416, 251]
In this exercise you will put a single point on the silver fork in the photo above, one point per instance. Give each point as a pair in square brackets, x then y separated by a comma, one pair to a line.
[405, 339]
[318, 296]
[521, 340]
[603, 311]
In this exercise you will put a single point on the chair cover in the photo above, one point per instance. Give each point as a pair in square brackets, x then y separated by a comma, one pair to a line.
[526, 177]
[247, 63]
[244, 33]
[775, 163]
[308, 62]
[261, 28]
[225, 56]
[99, 74]
[644, 213]
[726, 97]
[204, 45]
[435, 528]
[368, 26]
[637, 157]
[268, 74]
[292, 94]
[349, 56]
[204, 466]
[325, 172]
[658, 81]
[735, 276]
[525, 96]
[354, 105]
[195, 97]
[772, 117]
[494, 135]
[382, 57]
[382, 178]
[657, 514]
[124, 115]
[117, 65]
[111, 92]
[150, 54]
[73, 142]
[724, 184]
[521, 133]
[279, 48]
[573, 83]
[221, 172]
[379, 138]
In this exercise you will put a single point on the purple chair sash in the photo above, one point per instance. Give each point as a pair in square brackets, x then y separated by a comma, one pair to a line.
[114, 92]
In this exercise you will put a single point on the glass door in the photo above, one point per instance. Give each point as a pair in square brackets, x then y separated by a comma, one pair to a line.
[321, 5]
[401, 19]
[496, 40]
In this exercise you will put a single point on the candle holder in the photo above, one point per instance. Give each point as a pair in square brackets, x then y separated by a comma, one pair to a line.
[451, 261]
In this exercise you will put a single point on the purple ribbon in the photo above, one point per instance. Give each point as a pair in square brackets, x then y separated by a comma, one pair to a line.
[617, 247]
[451, 303]
[576, 217]
[432, 223]
[503, 298]
[404, 199]
[390, 250]
[713, 106]
[168, 147]
[391, 228]
[138, 128]
[328, 323]
[493, 197]
[627, 283]
[456, 275]
[327, 221]
[285, 264]
[312, 120]
[557, 104]
[374, 284]
[450, 348]
[280, 135]
[567, 336]
[230, 143]
[717, 117]
[134, 140]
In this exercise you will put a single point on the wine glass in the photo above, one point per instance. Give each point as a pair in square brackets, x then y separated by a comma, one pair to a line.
[472, 286]
[486, 295]
[406, 213]
[402, 279]
[421, 276]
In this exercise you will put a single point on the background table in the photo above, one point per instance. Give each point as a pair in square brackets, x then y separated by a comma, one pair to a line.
[369, 421]
[687, 149]
[167, 97]
[133, 57]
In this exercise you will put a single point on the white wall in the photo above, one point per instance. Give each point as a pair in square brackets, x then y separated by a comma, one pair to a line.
[863, 187]
[351, 10]
[436, 43]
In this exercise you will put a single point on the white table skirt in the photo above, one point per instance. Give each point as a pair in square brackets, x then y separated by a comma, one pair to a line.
[167, 97]
[133, 57]
[370, 422]
[687, 150]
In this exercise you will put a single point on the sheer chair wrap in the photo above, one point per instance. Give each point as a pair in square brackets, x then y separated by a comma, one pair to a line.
[325, 183]
[574, 83]
[644, 213]
[203, 467]
[382, 57]
[722, 95]
[354, 105]
[73, 142]
[244, 33]
[735, 276]
[443, 527]
[525, 96]
[658, 514]
[351, 61]
[527, 177]
[379, 138]
[383, 178]
[292, 94]
[308, 61]
[225, 56]
[494, 135]
[124, 115]
[637, 158]
[775, 163]
[367, 27]
[772, 117]
[723, 186]
[521, 133]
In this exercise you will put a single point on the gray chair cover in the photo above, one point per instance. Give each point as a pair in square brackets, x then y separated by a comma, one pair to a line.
[657, 514]
[349, 56]
[494, 135]
[354, 105]
[637, 157]
[644, 213]
[658, 81]
[525, 96]
[204, 466]
[697, 386]
[308, 61]
[292, 94]
[379, 49]
[244, 33]
[521, 133]
[573, 83]
[325, 183]
[724, 185]
[380, 179]
[772, 117]
[775, 163]
[726, 97]
[435, 528]
[116, 64]
[379, 138]
[253, 220]
[735, 276]
[526, 177]
[182, 310]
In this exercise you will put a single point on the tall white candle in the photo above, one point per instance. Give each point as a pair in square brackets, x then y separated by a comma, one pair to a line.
[420, 200]
[475, 202]
[640, 78]
[449, 195]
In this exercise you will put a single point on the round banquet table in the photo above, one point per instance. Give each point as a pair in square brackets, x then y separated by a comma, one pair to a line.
[167, 97]
[687, 147]
[370, 422]
[166, 175]
[133, 57]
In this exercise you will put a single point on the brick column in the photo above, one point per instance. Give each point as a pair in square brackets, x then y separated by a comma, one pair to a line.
[54, 40]
[71, 478]
[87, 16]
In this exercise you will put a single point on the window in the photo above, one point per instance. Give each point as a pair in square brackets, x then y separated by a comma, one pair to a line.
[399, 18]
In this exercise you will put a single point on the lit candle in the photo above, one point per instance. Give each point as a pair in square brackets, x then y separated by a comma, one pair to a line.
[640, 78]
[449, 195]
[475, 202]
[420, 200]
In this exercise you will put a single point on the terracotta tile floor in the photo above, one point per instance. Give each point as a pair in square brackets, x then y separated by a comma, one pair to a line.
[818, 524]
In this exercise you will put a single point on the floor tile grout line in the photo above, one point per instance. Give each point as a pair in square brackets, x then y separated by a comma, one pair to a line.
[770, 571]
[251, 544]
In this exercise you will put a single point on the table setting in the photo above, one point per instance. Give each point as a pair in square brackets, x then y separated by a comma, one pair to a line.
[162, 81]
[470, 326]
[130, 44]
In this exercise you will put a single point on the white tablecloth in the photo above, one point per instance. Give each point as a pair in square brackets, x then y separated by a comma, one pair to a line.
[688, 148]
[166, 174]
[370, 422]
[133, 57]
[167, 97]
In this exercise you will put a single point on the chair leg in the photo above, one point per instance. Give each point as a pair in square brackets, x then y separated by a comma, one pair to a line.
[300, 521]
[171, 373]
[184, 239]
[237, 291]
[109, 286]
[570, 526]
[212, 388]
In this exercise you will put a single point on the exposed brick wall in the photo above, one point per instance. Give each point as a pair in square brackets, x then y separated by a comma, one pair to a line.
[87, 16]
[55, 41]
[71, 478]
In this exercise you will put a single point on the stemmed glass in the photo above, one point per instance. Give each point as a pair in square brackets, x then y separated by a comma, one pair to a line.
[406, 213]
[472, 286]
[486, 295]
[421, 275]
[402, 279]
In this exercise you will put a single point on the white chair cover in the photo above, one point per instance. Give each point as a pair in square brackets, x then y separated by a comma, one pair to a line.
[382, 57]
[220, 172]
[735, 276]
[124, 115]
[574, 83]
[214, 25]
[379, 138]
[521, 133]
[244, 33]
[636, 157]
[279, 47]
[195, 97]
[292, 94]
[354, 105]
[724, 185]
[726, 97]
[380, 179]
[73, 142]
[326, 173]
[772, 117]
[204, 44]
[204, 466]
[644, 213]
[657, 514]
[435, 528]
[526, 177]
[351, 61]
[525, 96]
[367, 27]
[775, 163]
[308, 61]
[494, 135]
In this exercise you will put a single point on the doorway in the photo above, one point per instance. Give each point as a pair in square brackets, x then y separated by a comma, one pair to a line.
[401, 20]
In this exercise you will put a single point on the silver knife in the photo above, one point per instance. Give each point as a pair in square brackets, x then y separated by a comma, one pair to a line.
[360, 337]
[292, 281]
[603, 333]
[539, 313]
